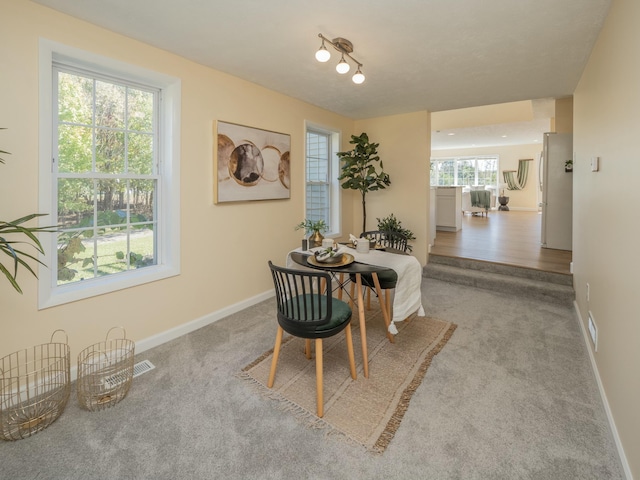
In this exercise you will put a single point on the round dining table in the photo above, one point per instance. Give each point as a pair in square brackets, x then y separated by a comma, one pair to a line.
[357, 269]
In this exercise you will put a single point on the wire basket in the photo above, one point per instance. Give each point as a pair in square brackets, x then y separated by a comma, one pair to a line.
[105, 372]
[34, 388]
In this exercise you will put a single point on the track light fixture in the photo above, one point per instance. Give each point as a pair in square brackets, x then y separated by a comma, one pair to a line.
[345, 47]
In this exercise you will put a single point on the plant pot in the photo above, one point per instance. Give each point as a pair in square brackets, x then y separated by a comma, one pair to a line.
[315, 240]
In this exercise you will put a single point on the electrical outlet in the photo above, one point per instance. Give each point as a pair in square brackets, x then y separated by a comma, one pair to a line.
[593, 332]
[595, 164]
[588, 292]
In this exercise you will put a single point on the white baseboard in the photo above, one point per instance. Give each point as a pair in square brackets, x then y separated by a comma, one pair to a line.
[180, 330]
[612, 424]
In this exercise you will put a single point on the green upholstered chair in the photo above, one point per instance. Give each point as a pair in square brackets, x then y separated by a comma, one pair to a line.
[387, 279]
[307, 309]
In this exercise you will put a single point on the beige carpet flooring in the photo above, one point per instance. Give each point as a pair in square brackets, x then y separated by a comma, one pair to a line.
[511, 396]
[367, 411]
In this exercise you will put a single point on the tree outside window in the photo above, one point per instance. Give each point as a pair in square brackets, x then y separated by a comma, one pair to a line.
[105, 177]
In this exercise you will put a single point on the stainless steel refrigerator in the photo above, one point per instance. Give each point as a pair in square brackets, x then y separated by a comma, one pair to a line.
[556, 185]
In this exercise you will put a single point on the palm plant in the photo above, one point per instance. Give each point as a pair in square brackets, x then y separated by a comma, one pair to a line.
[15, 253]
[13, 247]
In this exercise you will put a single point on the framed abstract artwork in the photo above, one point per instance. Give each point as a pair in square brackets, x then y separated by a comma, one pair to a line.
[250, 164]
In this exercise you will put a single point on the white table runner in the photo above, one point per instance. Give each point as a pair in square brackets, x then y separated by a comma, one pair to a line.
[408, 297]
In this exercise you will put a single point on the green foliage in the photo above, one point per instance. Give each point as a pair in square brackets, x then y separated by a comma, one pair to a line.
[359, 172]
[137, 260]
[391, 224]
[67, 256]
[2, 152]
[118, 140]
[76, 258]
[312, 226]
[12, 248]
[71, 249]
[105, 137]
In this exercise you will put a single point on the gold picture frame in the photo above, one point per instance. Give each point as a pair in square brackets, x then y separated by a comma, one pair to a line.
[250, 163]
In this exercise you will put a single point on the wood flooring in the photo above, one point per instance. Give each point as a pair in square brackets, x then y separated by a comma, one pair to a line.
[511, 238]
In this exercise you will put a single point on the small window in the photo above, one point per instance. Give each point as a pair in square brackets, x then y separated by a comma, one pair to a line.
[322, 190]
[110, 180]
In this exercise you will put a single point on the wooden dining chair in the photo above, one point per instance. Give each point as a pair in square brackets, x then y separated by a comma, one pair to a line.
[387, 279]
[307, 309]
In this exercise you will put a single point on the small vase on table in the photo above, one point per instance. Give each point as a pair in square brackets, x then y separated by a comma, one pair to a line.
[315, 240]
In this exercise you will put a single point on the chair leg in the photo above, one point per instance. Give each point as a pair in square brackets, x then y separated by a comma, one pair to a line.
[319, 395]
[352, 360]
[341, 281]
[307, 348]
[274, 361]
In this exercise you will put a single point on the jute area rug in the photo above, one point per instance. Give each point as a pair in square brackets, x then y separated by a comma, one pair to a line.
[365, 411]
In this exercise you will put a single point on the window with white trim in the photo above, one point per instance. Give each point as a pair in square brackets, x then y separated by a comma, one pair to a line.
[112, 180]
[322, 189]
[465, 171]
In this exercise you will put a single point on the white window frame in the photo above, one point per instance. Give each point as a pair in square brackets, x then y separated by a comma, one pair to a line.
[335, 194]
[475, 159]
[168, 206]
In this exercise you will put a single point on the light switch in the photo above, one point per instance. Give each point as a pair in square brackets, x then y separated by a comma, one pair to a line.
[595, 164]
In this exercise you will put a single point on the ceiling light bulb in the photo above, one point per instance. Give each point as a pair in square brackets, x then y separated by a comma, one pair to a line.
[342, 67]
[323, 55]
[358, 77]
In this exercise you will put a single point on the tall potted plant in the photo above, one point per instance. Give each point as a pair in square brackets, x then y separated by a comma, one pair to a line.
[14, 234]
[359, 172]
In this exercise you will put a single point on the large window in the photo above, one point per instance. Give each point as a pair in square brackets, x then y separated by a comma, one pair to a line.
[109, 180]
[105, 176]
[465, 171]
[322, 189]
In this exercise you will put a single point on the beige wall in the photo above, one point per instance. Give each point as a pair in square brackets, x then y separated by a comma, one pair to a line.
[405, 142]
[563, 120]
[224, 248]
[525, 199]
[605, 227]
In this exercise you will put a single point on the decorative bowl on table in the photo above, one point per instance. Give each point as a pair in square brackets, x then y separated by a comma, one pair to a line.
[328, 255]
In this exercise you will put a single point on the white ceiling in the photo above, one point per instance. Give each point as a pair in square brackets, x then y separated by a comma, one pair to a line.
[418, 54]
[514, 133]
